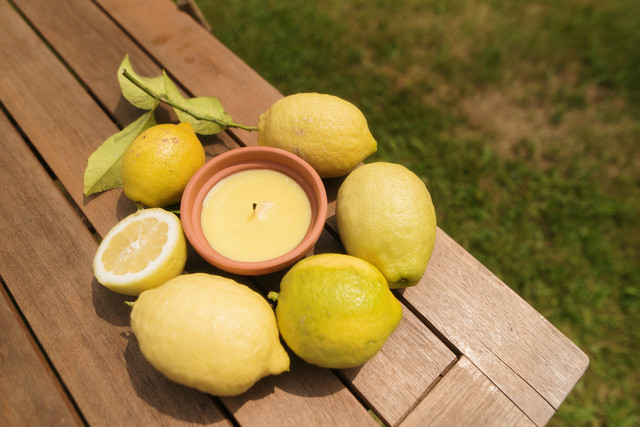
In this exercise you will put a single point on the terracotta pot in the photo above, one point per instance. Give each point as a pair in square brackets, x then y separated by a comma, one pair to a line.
[237, 160]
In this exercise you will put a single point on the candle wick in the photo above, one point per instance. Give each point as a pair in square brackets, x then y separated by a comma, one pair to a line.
[254, 206]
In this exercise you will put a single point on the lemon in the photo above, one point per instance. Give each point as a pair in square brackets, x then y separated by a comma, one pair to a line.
[385, 216]
[142, 251]
[159, 163]
[331, 134]
[208, 332]
[335, 310]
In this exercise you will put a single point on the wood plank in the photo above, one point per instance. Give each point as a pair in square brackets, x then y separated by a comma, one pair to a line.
[80, 26]
[57, 114]
[188, 50]
[432, 354]
[408, 364]
[466, 397]
[83, 328]
[336, 407]
[71, 34]
[493, 362]
[525, 356]
[315, 401]
[30, 394]
[71, 29]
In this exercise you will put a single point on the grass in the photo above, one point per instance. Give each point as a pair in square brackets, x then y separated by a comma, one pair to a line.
[523, 120]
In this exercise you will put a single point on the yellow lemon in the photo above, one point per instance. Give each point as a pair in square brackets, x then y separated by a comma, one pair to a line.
[331, 134]
[335, 310]
[208, 332]
[385, 216]
[142, 251]
[159, 163]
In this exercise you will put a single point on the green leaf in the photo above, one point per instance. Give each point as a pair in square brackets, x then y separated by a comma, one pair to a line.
[133, 93]
[104, 164]
[204, 106]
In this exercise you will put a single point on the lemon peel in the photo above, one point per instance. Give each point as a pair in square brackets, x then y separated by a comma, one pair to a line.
[159, 163]
[209, 332]
[335, 310]
[385, 216]
[330, 133]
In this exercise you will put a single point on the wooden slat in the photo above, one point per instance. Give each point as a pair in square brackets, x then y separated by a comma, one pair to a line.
[71, 29]
[60, 118]
[518, 349]
[431, 352]
[315, 401]
[79, 24]
[29, 392]
[455, 291]
[336, 406]
[82, 327]
[205, 65]
[408, 364]
[466, 397]
[82, 26]
[411, 360]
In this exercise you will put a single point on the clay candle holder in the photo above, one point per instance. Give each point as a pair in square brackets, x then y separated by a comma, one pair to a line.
[242, 159]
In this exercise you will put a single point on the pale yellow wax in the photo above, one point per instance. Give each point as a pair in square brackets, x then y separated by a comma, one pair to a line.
[237, 230]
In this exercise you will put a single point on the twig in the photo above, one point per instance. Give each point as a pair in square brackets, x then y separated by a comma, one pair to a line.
[195, 115]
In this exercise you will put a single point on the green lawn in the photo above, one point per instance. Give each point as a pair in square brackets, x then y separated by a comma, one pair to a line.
[522, 118]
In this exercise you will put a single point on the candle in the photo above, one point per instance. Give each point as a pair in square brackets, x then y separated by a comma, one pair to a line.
[242, 159]
[255, 215]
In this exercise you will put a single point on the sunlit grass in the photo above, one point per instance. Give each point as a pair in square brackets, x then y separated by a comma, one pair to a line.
[523, 120]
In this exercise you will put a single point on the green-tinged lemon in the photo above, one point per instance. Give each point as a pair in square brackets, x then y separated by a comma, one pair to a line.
[209, 332]
[159, 163]
[331, 134]
[335, 310]
[141, 252]
[385, 216]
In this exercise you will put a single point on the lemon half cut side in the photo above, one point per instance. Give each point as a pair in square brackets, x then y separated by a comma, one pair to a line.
[141, 252]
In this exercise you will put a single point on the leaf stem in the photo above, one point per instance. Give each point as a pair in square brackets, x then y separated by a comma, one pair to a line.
[167, 101]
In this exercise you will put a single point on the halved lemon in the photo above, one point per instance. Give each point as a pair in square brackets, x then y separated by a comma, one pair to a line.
[141, 252]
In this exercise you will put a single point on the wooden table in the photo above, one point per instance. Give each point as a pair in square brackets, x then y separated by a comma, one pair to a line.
[468, 350]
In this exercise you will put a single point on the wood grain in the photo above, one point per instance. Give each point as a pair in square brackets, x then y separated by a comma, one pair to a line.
[432, 354]
[466, 397]
[82, 327]
[29, 391]
[26, 61]
[336, 405]
[80, 26]
[523, 354]
[408, 364]
[303, 396]
[513, 360]
[205, 66]
[57, 114]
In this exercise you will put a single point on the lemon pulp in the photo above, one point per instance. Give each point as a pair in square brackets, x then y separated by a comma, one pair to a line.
[142, 251]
